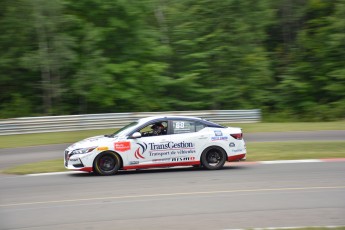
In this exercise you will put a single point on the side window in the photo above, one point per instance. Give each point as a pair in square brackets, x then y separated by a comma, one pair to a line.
[183, 127]
[199, 126]
[154, 129]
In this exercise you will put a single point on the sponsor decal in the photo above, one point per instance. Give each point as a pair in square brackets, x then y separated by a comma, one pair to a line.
[183, 159]
[219, 138]
[122, 146]
[182, 151]
[74, 159]
[171, 148]
[167, 153]
[143, 148]
[237, 150]
[171, 145]
[102, 148]
[167, 149]
[133, 162]
[232, 144]
[161, 160]
[90, 139]
[218, 133]
[179, 125]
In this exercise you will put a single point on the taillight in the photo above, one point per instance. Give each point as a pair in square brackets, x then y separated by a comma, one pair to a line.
[237, 136]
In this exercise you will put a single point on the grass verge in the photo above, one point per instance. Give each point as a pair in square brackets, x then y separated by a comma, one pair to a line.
[266, 151]
[22, 140]
[256, 152]
[291, 126]
[37, 167]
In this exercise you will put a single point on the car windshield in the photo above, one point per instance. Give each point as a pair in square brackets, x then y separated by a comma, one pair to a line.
[124, 129]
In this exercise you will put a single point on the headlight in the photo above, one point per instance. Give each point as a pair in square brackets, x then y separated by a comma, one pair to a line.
[83, 150]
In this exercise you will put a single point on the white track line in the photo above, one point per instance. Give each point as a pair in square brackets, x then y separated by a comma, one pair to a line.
[279, 228]
[291, 161]
[54, 173]
[173, 194]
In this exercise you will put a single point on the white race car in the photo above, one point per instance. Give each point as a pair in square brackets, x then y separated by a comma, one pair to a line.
[152, 142]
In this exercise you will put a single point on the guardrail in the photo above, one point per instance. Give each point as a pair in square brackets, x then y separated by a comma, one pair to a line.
[25, 125]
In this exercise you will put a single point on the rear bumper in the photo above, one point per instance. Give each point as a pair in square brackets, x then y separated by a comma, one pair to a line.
[239, 157]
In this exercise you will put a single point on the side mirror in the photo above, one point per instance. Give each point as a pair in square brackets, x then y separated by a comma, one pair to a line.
[136, 135]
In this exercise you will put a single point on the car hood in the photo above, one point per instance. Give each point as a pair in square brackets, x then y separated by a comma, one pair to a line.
[91, 141]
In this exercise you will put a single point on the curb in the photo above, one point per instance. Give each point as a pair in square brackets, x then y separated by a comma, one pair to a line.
[286, 161]
[284, 228]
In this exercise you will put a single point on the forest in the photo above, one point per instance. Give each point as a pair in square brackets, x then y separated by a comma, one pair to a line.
[61, 57]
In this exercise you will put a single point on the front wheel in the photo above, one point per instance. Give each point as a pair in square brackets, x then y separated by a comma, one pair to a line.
[107, 164]
[213, 158]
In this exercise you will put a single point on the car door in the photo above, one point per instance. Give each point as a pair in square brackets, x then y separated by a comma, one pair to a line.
[150, 149]
[188, 140]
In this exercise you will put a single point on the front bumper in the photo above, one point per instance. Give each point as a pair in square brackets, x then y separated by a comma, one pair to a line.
[77, 162]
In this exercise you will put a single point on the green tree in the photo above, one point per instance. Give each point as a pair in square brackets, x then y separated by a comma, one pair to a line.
[17, 85]
[219, 55]
[313, 87]
[120, 67]
[36, 54]
[53, 52]
[95, 56]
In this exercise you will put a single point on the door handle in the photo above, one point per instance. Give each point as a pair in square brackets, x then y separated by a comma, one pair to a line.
[163, 141]
[202, 137]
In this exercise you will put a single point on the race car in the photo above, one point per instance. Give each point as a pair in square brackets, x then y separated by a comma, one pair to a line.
[160, 141]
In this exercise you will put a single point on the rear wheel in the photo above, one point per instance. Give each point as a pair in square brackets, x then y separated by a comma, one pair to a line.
[107, 164]
[213, 158]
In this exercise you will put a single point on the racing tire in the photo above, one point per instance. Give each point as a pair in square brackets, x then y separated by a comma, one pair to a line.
[213, 158]
[107, 163]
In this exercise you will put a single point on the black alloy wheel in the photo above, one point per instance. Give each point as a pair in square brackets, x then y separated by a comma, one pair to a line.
[213, 158]
[107, 164]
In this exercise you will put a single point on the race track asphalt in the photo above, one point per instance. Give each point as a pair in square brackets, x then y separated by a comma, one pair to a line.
[238, 196]
[17, 156]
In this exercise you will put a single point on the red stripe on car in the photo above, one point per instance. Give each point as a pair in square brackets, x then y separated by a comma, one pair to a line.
[85, 169]
[161, 165]
[236, 157]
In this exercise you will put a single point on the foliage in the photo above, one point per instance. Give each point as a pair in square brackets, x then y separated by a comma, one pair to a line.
[311, 84]
[66, 57]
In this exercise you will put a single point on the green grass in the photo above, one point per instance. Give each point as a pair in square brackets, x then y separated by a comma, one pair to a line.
[291, 126]
[38, 167]
[22, 140]
[256, 152]
[262, 151]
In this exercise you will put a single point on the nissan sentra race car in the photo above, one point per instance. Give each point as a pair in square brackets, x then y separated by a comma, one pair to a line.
[152, 142]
